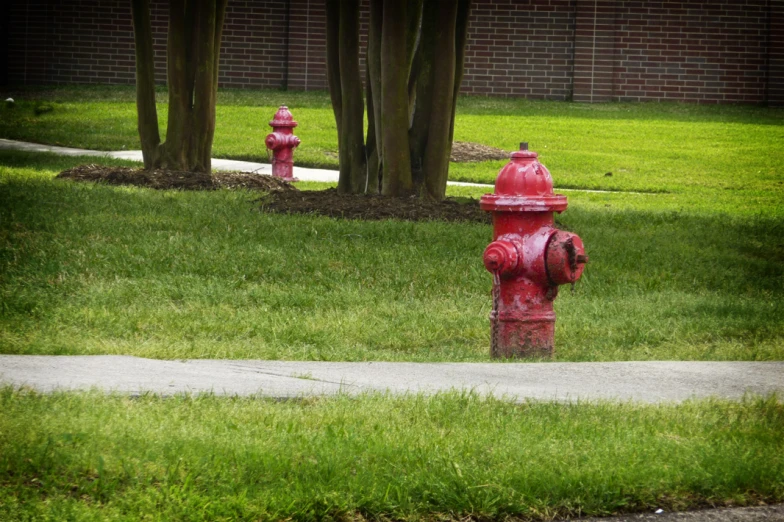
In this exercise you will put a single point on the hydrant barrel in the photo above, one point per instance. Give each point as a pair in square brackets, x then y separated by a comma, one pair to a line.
[282, 143]
[529, 258]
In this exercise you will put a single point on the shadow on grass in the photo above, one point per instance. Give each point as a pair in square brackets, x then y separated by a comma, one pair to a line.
[99, 255]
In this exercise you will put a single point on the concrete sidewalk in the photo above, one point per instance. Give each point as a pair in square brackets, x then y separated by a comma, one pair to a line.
[300, 173]
[651, 381]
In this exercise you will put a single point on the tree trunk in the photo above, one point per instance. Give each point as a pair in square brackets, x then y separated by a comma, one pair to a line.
[193, 49]
[146, 112]
[373, 89]
[333, 62]
[353, 170]
[439, 145]
[461, 39]
[371, 144]
[346, 92]
[396, 180]
[415, 56]
[423, 97]
[175, 151]
[203, 95]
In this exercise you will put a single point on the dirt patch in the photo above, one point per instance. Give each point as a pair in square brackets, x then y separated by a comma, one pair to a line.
[467, 152]
[373, 207]
[171, 179]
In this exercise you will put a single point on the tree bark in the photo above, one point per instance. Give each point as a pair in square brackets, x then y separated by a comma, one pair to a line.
[423, 98]
[353, 170]
[147, 114]
[461, 39]
[439, 145]
[396, 180]
[203, 95]
[371, 144]
[175, 150]
[193, 50]
[333, 62]
[415, 56]
[373, 89]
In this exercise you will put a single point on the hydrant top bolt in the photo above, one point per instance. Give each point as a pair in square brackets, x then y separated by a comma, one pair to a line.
[523, 145]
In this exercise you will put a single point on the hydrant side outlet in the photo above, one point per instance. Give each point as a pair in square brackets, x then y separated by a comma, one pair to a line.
[528, 258]
[282, 142]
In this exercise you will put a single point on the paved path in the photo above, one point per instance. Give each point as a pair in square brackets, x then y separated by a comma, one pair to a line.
[300, 173]
[650, 381]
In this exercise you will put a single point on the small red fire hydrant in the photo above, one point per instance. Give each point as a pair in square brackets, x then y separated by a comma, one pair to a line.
[282, 142]
[528, 257]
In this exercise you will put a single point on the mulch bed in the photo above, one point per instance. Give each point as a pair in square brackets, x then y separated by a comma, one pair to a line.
[372, 206]
[171, 179]
[467, 152]
[283, 198]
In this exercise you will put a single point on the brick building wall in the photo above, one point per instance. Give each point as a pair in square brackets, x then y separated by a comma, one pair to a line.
[91, 41]
[711, 51]
[520, 48]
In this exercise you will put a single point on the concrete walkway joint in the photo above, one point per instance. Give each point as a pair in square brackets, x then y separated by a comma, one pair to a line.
[648, 381]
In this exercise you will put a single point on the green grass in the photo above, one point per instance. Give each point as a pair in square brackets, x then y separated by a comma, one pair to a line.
[89, 269]
[689, 270]
[647, 147]
[87, 456]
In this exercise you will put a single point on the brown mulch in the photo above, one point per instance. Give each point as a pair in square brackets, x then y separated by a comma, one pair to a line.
[284, 198]
[170, 179]
[372, 206]
[467, 152]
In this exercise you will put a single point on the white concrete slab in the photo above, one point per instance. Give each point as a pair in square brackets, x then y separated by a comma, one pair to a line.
[649, 381]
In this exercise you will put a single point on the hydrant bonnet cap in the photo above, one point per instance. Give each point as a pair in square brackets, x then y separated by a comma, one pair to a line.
[283, 118]
[523, 184]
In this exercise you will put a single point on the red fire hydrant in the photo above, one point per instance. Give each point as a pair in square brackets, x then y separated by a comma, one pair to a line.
[528, 257]
[282, 142]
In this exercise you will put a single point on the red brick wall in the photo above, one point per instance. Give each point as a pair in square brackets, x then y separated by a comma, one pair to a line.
[307, 45]
[706, 50]
[91, 41]
[595, 53]
[520, 48]
[514, 48]
[307, 63]
[775, 94]
[710, 51]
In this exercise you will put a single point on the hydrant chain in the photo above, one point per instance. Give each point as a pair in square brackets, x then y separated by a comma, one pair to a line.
[494, 313]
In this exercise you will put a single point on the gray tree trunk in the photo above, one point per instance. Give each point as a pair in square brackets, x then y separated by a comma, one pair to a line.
[193, 50]
[147, 114]
[415, 55]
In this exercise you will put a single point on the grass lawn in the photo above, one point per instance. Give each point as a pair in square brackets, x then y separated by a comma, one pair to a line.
[89, 456]
[646, 146]
[693, 271]
[90, 269]
[689, 267]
